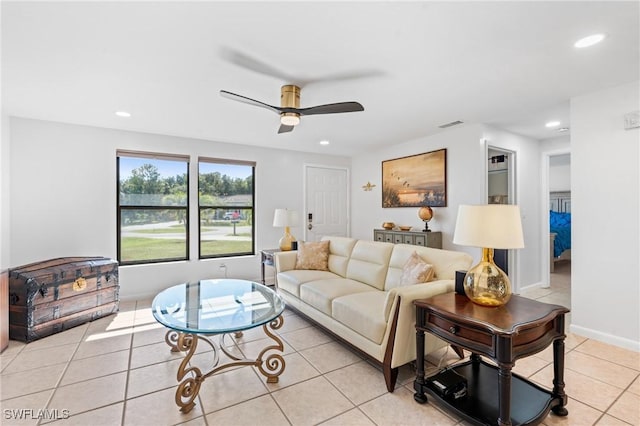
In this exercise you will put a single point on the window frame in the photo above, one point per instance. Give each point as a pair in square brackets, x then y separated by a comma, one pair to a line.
[120, 208]
[252, 164]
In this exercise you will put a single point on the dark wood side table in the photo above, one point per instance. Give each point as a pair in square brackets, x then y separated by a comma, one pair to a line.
[267, 259]
[504, 334]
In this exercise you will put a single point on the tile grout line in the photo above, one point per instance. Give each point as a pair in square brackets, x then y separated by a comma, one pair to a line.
[126, 383]
[64, 371]
[577, 348]
[624, 391]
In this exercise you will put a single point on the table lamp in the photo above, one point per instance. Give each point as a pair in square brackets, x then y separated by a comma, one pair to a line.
[493, 226]
[285, 218]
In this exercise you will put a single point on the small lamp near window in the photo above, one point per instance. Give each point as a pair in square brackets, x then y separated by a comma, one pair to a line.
[493, 226]
[284, 218]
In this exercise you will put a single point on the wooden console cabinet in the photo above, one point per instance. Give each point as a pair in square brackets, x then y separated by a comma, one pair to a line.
[417, 238]
[504, 334]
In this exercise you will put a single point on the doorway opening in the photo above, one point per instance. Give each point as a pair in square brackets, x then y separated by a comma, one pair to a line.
[501, 189]
[556, 222]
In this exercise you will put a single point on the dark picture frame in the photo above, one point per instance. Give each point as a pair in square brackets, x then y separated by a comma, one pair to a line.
[415, 181]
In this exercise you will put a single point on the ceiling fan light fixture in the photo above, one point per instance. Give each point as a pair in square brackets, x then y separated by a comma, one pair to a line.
[290, 118]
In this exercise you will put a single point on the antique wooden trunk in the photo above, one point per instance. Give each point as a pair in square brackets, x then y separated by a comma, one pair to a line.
[55, 295]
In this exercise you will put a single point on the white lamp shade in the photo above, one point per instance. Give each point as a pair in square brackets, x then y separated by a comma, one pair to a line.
[284, 217]
[496, 226]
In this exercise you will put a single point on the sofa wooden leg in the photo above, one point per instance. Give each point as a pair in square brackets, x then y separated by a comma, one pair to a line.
[458, 350]
[390, 377]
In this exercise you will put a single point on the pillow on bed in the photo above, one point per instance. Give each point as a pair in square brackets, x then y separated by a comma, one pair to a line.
[416, 271]
[313, 255]
[559, 220]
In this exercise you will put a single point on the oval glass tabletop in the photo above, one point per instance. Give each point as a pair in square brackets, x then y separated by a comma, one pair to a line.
[216, 306]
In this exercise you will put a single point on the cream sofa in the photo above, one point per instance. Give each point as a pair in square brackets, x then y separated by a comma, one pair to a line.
[360, 300]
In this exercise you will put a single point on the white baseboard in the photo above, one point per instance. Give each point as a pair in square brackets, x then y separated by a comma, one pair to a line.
[136, 296]
[605, 338]
[132, 297]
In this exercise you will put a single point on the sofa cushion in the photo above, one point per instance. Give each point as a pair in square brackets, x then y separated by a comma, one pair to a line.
[321, 293]
[363, 313]
[313, 256]
[416, 271]
[290, 281]
[369, 262]
[339, 252]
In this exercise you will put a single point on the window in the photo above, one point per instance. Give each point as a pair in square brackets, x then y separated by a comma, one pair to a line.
[153, 207]
[225, 200]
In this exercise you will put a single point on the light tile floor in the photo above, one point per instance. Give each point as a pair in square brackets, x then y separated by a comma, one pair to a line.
[118, 370]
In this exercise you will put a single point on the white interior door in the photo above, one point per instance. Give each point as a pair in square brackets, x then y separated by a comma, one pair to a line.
[326, 210]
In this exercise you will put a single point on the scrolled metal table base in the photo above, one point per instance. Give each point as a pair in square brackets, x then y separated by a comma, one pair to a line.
[271, 365]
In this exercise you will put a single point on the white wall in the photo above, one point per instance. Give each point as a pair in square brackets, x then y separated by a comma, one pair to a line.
[464, 159]
[561, 143]
[63, 197]
[527, 184]
[5, 167]
[559, 162]
[559, 177]
[466, 184]
[605, 205]
[560, 173]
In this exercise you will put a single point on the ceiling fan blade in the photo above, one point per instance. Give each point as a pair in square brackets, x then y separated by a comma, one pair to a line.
[253, 64]
[285, 129]
[332, 108]
[249, 101]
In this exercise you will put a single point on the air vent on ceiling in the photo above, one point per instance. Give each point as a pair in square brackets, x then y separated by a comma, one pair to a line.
[453, 123]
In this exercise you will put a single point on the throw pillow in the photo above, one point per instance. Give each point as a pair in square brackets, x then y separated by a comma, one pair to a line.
[313, 255]
[416, 271]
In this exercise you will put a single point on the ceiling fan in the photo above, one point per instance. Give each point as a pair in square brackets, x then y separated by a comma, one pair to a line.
[289, 109]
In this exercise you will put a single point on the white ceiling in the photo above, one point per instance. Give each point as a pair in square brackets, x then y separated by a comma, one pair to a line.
[413, 65]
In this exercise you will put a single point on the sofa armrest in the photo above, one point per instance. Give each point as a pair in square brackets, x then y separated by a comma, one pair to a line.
[414, 292]
[285, 261]
[404, 345]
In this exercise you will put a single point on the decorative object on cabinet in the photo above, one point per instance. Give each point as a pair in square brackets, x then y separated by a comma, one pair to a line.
[368, 187]
[416, 238]
[284, 218]
[425, 213]
[492, 226]
[416, 180]
[405, 228]
[388, 225]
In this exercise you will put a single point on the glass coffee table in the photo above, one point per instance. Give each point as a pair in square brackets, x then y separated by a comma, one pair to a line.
[199, 311]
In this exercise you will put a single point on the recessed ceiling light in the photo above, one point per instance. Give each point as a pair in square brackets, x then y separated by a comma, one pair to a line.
[589, 40]
[124, 114]
[563, 129]
[324, 142]
[552, 124]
